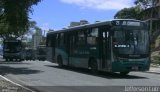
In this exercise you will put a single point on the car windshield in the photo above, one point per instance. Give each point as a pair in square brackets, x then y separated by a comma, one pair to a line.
[131, 41]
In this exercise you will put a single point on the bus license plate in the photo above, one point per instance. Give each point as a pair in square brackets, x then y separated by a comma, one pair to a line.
[134, 68]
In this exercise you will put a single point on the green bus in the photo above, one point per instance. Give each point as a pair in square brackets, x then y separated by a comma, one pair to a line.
[120, 45]
[13, 50]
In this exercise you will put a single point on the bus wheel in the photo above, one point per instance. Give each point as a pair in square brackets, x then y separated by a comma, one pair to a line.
[59, 61]
[124, 73]
[94, 66]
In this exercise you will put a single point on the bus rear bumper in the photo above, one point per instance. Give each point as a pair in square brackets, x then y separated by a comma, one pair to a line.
[130, 66]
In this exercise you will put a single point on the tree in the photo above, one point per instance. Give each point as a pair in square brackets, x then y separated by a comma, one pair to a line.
[128, 13]
[14, 17]
[32, 27]
[144, 4]
[150, 13]
[135, 12]
[144, 10]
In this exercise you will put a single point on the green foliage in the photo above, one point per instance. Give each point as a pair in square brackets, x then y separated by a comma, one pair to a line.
[32, 26]
[156, 59]
[128, 13]
[42, 43]
[144, 4]
[14, 17]
[135, 12]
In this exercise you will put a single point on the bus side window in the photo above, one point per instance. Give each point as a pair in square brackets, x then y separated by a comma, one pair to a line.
[81, 38]
[57, 40]
[61, 39]
[92, 36]
[49, 43]
[76, 38]
[65, 39]
[73, 40]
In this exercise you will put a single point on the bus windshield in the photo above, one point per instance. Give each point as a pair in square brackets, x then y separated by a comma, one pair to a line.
[12, 46]
[131, 41]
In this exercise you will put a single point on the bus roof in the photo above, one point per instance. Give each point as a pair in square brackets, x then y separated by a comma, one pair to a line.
[89, 25]
[82, 26]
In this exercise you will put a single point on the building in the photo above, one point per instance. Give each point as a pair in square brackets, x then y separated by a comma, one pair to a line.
[82, 22]
[36, 39]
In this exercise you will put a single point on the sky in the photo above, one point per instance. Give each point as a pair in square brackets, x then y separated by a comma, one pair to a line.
[57, 14]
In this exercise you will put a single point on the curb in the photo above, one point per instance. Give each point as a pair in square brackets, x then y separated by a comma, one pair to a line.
[16, 84]
[152, 72]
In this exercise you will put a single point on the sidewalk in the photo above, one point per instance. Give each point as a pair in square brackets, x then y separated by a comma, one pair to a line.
[9, 86]
[154, 70]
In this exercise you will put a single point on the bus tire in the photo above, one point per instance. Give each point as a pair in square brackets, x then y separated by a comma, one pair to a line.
[93, 66]
[124, 73]
[59, 61]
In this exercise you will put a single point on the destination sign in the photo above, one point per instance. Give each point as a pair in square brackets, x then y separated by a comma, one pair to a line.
[126, 23]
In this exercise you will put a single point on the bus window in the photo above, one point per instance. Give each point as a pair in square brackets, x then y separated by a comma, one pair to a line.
[73, 40]
[81, 38]
[57, 40]
[92, 36]
[94, 32]
[61, 39]
[49, 42]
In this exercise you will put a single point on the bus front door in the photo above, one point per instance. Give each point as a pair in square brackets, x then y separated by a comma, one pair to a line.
[106, 61]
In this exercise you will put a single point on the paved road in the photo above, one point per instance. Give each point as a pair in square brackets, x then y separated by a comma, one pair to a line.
[46, 77]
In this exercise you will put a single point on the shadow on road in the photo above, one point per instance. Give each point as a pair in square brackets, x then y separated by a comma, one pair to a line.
[11, 62]
[4, 70]
[100, 74]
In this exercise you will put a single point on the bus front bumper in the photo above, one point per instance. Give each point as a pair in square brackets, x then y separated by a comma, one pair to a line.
[130, 66]
[12, 55]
